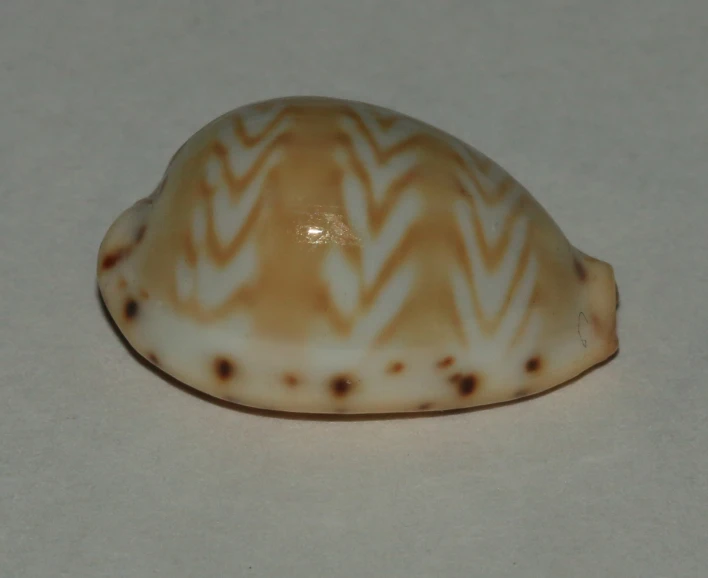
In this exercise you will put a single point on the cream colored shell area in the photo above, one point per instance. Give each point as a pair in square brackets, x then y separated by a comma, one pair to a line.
[319, 255]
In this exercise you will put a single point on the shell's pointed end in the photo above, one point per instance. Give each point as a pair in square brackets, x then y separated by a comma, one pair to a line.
[125, 234]
[603, 307]
[122, 237]
[117, 272]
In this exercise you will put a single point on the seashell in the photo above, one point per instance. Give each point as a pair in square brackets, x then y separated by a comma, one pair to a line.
[318, 255]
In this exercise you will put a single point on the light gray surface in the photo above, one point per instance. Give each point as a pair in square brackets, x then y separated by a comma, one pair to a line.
[106, 470]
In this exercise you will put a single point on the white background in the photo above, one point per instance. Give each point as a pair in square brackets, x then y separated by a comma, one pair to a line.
[106, 470]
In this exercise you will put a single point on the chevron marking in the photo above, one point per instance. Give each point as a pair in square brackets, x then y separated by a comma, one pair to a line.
[492, 183]
[492, 217]
[487, 282]
[207, 281]
[377, 249]
[387, 135]
[497, 311]
[517, 327]
[465, 302]
[222, 261]
[374, 156]
[216, 284]
[261, 121]
[389, 303]
[510, 326]
[245, 143]
[229, 215]
[376, 246]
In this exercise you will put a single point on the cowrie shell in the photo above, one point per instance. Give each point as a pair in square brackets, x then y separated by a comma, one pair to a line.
[318, 255]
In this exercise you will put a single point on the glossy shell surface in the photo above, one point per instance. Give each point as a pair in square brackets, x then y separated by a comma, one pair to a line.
[327, 256]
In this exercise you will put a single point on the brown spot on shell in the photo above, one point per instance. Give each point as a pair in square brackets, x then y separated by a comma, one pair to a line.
[396, 367]
[580, 270]
[144, 294]
[224, 368]
[131, 309]
[446, 362]
[291, 380]
[533, 364]
[425, 406]
[466, 383]
[112, 259]
[341, 385]
[153, 358]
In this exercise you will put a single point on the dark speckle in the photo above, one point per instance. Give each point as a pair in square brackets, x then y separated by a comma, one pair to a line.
[224, 368]
[446, 362]
[341, 385]
[396, 367]
[290, 380]
[466, 383]
[425, 406]
[153, 358]
[533, 364]
[111, 260]
[131, 309]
